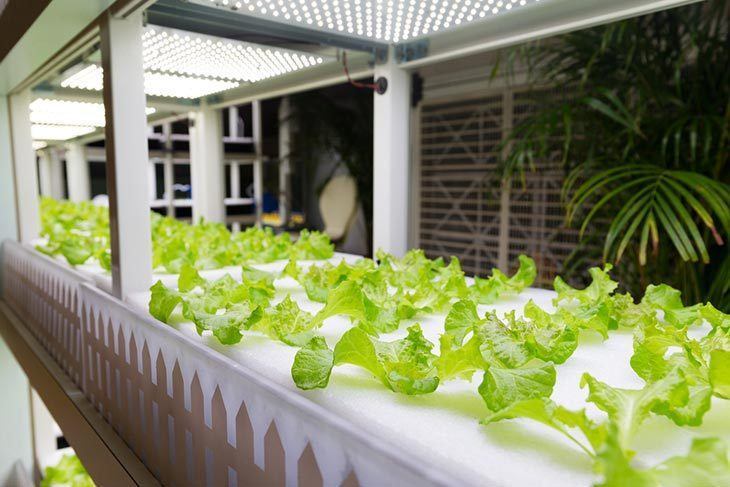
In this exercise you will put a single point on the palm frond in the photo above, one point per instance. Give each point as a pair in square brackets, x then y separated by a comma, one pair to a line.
[648, 201]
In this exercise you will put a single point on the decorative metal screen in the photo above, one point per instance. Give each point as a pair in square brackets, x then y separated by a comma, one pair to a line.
[459, 214]
[464, 211]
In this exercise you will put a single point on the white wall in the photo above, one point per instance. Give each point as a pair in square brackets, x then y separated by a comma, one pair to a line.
[15, 431]
[8, 222]
[15, 413]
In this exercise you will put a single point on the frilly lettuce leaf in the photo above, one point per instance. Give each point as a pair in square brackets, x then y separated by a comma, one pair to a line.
[503, 387]
[561, 419]
[487, 291]
[67, 472]
[312, 365]
[706, 465]
[627, 409]
[288, 323]
[405, 366]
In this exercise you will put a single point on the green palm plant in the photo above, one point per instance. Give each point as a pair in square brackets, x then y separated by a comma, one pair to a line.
[643, 129]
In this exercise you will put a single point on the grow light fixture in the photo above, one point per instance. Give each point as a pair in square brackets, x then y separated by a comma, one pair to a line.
[66, 112]
[379, 20]
[58, 132]
[179, 52]
[156, 84]
[181, 64]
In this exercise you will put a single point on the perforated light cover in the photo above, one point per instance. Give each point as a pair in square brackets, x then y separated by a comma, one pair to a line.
[378, 20]
[181, 64]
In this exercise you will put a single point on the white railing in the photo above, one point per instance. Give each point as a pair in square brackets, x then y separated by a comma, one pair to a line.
[193, 415]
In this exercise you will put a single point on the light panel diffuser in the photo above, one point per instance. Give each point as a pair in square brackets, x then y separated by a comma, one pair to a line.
[155, 84]
[66, 112]
[58, 132]
[182, 64]
[379, 20]
[185, 53]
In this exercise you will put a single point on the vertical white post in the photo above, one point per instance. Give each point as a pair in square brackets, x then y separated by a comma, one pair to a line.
[44, 172]
[77, 172]
[169, 171]
[285, 123]
[505, 187]
[127, 157]
[391, 117]
[235, 190]
[8, 202]
[258, 170]
[152, 179]
[56, 174]
[24, 163]
[234, 130]
[206, 165]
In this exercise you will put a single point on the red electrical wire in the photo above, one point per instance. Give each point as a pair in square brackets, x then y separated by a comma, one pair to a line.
[356, 84]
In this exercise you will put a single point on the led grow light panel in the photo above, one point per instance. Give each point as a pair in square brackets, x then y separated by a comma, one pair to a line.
[179, 52]
[58, 132]
[378, 20]
[155, 84]
[66, 112]
[182, 64]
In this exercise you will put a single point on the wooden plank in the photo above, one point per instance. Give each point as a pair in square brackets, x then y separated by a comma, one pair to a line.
[106, 457]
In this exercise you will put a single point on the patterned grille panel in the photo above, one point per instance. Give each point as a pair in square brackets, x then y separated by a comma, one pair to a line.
[459, 214]
[460, 195]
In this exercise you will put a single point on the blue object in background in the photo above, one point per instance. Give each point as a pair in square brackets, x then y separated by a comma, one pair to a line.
[270, 203]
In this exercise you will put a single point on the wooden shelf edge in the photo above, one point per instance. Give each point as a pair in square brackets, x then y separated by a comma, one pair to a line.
[107, 458]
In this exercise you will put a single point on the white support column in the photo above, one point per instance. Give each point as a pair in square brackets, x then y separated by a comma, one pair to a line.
[234, 125]
[77, 172]
[44, 171]
[285, 130]
[57, 190]
[505, 186]
[127, 157]
[235, 190]
[258, 170]
[152, 181]
[24, 163]
[169, 171]
[391, 119]
[206, 165]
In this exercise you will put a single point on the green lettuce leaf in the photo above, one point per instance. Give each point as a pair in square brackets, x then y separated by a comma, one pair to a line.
[706, 465]
[405, 366]
[501, 344]
[345, 299]
[719, 372]
[627, 409]
[563, 420]
[461, 320]
[67, 472]
[312, 365]
[487, 291]
[189, 279]
[227, 326]
[288, 323]
[459, 362]
[163, 301]
[503, 387]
